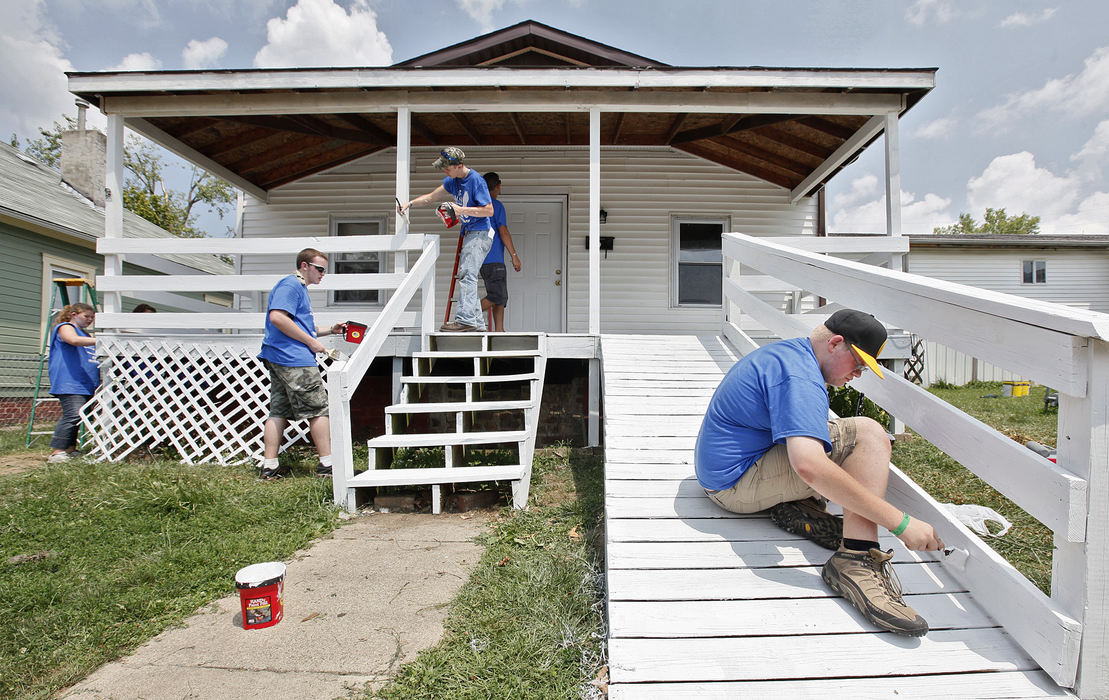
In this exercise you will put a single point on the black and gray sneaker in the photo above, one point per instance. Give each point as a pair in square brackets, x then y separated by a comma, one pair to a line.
[279, 472]
[867, 581]
[809, 518]
[323, 471]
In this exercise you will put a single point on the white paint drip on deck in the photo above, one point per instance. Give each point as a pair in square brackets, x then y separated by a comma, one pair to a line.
[707, 604]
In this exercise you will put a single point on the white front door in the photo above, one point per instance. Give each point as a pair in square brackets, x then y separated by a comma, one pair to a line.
[535, 294]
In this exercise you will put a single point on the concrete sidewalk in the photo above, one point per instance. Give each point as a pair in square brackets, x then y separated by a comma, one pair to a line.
[358, 604]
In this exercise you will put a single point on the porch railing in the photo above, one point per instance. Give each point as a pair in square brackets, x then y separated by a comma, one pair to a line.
[1064, 348]
[248, 287]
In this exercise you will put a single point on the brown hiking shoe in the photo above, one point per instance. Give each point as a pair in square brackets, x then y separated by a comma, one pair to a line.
[868, 581]
[808, 518]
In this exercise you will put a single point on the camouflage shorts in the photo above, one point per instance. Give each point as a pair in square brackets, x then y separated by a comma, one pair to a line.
[296, 393]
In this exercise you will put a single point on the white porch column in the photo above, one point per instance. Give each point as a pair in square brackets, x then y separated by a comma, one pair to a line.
[893, 183]
[113, 206]
[594, 221]
[404, 177]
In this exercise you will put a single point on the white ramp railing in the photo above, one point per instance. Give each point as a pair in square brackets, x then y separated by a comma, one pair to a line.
[343, 376]
[1065, 348]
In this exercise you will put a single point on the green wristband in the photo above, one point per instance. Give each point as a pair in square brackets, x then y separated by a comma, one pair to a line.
[896, 532]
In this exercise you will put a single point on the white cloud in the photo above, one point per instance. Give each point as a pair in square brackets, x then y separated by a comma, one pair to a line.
[203, 54]
[924, 11]
[1077, 94]
[942, 128]
[863, 210]
[1020, 19]
[1014, 183]
[482, 11]
[321, 33]
[1092, 217]
[33, 87]
[138, 61]
[1097, 147]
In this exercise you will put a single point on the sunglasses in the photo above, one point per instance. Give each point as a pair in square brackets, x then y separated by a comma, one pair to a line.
[319, 268]
[448, 157]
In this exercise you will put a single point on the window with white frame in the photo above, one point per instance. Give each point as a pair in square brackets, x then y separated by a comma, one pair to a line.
[1034, 272]
[696, 263]
[53, 268]
[357, 263]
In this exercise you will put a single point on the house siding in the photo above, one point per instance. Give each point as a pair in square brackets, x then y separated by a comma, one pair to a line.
[641, 189]
[1075, 277]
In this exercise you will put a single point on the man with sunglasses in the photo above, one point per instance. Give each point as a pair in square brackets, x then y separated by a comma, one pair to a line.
[474, 207]
[766, 444]
[289, 349]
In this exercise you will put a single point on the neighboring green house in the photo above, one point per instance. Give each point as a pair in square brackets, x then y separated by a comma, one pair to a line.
[49, 224]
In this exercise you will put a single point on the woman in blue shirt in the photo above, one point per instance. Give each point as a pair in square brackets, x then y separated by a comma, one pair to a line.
[74, 374]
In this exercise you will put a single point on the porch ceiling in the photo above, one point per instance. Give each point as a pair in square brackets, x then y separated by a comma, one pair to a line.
[265, 130]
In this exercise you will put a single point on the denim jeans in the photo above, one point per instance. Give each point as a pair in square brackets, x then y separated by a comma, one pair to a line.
[65, 432]
[475, 246]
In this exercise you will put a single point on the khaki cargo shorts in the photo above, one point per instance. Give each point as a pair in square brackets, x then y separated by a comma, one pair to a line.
[296, 393]
[771, 480]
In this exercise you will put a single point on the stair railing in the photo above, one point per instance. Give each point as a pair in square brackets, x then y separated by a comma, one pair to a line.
[344, 376]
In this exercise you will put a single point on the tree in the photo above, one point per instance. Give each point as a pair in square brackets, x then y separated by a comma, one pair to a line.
[144, 190]
[995, 221]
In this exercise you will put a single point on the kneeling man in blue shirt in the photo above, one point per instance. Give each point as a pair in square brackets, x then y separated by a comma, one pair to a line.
[766, 443]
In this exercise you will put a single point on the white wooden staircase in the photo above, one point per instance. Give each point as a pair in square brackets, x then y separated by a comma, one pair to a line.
[460, 370]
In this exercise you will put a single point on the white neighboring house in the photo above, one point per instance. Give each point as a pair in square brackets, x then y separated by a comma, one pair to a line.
[1069, 269]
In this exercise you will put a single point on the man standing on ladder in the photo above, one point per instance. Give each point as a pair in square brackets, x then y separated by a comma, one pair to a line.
[474, 207]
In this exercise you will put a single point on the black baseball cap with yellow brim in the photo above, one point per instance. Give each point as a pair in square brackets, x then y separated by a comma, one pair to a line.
[866, 334]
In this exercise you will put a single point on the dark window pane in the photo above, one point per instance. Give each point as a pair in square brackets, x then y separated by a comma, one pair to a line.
[1026, 276]
[699, 242]
[699, 284]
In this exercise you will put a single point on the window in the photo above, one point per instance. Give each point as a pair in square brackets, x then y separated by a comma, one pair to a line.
[1034, 272]
[357, 263]
[697, 264]
[60, 268]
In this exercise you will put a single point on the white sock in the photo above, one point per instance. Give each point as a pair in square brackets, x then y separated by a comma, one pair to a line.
[269, 463]
[326, 461]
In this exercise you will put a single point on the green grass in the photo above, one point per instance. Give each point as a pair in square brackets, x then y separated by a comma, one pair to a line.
[1028, 545]
[529, 623]
[109, 555]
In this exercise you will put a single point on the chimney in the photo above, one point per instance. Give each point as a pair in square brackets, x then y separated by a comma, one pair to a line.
[83, 154]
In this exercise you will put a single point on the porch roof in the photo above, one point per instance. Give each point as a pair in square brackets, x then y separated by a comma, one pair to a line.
[525, 85]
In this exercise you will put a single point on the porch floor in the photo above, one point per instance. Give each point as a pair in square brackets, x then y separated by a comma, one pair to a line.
[707, 604]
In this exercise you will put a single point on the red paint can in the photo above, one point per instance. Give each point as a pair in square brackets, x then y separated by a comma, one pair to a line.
[355, 331]
[261, 594]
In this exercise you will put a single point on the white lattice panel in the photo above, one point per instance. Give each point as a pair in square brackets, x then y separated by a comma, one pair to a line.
[207, 400]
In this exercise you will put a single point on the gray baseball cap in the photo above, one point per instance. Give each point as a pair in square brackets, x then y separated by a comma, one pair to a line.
[451, 155]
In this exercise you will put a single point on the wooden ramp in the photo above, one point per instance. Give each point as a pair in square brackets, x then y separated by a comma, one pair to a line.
[703, 603]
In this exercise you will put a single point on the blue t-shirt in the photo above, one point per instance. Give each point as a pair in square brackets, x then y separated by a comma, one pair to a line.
[470, 191]
[73, 368]
[500, 218]
[773, 393]
[290, 296]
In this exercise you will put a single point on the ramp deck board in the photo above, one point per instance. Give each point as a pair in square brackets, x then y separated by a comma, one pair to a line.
[704, 603]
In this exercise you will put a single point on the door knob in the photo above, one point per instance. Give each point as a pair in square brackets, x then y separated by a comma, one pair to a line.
[558, 283]
[558, 272]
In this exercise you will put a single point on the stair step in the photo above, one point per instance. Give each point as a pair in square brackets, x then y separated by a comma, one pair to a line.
[433, 354]
[442, 439]
[471, 379]
[453, 406]
[437, 475]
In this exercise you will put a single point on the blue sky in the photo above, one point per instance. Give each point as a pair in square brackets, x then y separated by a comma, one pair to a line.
[1019, 118]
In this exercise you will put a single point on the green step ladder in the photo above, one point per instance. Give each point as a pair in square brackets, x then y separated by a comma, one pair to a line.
[59, 291]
